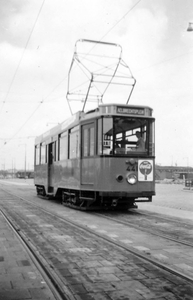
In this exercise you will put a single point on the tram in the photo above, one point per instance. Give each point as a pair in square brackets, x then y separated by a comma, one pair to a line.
[94, 160]
[102, 158]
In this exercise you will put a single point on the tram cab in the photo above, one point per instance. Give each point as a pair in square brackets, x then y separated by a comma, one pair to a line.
[123, 167]
[101, 158]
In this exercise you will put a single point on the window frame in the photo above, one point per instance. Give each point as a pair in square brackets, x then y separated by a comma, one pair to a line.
[90, 139]
[146, 128]
[74, 133]
[63, 146]
[42, 153]
[37, 155]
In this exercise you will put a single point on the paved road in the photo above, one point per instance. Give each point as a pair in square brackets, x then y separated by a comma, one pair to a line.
[90, 267]
[170, 199]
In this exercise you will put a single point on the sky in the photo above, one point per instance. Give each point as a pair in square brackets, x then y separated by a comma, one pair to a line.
[37, 42]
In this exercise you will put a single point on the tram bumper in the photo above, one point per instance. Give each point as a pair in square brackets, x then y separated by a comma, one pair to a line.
[138, 196]
[144, 199]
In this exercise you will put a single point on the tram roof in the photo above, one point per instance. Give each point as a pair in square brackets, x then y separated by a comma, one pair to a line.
[102, 110]
[121, 109]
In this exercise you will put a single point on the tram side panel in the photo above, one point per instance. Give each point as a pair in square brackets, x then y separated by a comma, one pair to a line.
[100, 174]
[41, 176]
[89, 173]
[67, 174]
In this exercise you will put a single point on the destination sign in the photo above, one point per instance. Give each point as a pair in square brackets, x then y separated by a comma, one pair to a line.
[130, 111]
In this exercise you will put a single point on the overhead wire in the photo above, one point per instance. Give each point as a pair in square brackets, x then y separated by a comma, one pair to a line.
[119, 21]
[19, 63]
[12, 137]
[164, 61]
[15, 73]
[99, 41]
[27, 120]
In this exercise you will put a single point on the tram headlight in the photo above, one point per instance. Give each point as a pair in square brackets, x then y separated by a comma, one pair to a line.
[131, 178]
[132, 161]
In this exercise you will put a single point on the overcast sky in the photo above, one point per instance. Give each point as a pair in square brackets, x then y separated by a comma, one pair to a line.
[37, 40]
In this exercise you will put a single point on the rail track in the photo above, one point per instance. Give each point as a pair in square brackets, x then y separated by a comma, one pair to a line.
[53, 283]
[84, 229]
[172, 236]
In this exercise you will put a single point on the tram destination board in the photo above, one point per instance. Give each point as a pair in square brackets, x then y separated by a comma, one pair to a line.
[130, 111]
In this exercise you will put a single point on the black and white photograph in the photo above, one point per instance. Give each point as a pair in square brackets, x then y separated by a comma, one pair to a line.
[96, 150]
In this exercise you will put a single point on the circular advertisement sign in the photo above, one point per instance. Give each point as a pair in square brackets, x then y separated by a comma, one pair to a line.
[145, 168]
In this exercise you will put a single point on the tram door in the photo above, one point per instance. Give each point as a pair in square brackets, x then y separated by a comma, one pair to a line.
[50, 167]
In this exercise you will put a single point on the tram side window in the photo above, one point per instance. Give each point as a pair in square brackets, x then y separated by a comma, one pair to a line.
[55, 150]
[37, 154]
[88, 140]
[46, 158]
[105, 136]
[74, 142]
[51, 153]
[63, 146]
[99, 137]
[42, 153]
[91, 141]
[152, 138]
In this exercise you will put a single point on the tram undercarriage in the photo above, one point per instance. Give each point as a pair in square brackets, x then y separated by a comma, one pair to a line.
[89, 200]
[100, 203]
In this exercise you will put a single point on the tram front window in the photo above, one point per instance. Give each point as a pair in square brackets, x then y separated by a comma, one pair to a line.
[127, 136]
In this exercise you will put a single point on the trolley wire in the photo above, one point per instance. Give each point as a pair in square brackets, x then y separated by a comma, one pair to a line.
[13, 136]
[118, 22]
[164, 61]
[65, 76]
[16, 71]
[21, 58]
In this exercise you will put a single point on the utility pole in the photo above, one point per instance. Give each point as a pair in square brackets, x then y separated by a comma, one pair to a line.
[25, 159]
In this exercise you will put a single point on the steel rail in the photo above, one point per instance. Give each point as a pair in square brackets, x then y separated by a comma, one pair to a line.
[119, 245]
[54, 284]
[165, 236]
[156, 215]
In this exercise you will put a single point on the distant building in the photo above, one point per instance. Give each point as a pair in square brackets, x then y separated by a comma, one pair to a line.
[173, 172]
[23, 174]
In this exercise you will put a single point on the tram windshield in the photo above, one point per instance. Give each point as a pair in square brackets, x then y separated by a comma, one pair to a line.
[126, 136]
